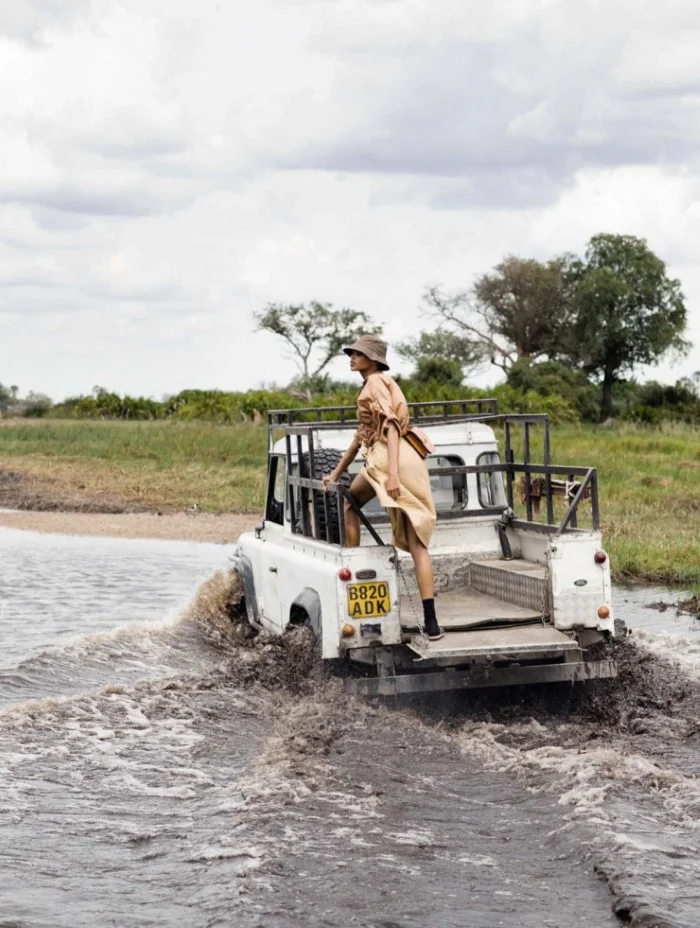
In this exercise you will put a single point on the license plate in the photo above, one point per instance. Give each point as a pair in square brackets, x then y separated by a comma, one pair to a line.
[368, 600]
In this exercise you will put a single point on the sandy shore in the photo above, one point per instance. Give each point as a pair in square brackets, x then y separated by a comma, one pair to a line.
[201, 526]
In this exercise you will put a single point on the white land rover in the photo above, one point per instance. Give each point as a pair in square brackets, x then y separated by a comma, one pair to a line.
[522, 589]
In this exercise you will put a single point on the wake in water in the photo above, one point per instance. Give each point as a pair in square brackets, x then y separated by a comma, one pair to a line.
[620, 758]
[196, 773]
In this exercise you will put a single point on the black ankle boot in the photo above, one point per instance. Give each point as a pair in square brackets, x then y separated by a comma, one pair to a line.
[432, 629]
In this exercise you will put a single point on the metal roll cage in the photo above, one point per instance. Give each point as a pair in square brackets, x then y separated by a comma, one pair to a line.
[537, 482]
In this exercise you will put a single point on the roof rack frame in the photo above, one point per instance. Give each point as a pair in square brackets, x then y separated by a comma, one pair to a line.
[529, 471]
[347, 415]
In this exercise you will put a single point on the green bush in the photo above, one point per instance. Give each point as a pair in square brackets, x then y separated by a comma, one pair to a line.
[438, 372]
[106, 405]
[208, 406]
[36, 406]
[559, 410]
[652, 403]
[555, 380]
[260, 402]
[548, 387]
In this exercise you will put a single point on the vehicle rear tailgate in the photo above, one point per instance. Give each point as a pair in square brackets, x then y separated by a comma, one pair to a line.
[500, 644]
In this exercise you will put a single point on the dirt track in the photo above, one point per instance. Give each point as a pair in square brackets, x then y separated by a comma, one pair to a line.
[26, 503]
[183, 526]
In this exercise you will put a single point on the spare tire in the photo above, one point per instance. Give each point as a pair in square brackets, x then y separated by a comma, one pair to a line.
[325, 460]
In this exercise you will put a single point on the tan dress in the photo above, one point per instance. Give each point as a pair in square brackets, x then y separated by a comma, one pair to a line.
[379, 404]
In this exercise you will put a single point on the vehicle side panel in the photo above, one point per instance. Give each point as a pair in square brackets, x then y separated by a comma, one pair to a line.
[288, 568]
[579, 585]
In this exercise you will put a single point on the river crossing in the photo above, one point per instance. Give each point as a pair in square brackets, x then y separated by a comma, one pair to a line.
[159, 769]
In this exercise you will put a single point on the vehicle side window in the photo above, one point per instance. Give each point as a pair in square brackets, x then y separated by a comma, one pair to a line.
[449, 492]
[491, 493]
[276, 490]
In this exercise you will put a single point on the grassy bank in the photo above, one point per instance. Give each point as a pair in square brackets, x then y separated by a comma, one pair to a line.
[649, 497]
[144, 465]
[649, 479]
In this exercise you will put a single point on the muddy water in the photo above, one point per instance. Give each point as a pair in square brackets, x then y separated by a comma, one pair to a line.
[158, 767]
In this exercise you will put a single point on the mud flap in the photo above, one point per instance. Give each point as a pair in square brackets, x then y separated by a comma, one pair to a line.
[244, 568]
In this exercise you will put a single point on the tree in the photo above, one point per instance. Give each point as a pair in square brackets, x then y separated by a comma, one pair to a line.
[628, 311]
[691, 383]
[314, 330]
[36, 405]
[555, 378]
[520, 310]
[653, 403]
[457, 354]
[443, 372]
[5, 397]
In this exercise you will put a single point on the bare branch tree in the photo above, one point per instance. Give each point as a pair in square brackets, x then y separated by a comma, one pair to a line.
[522, 309]
[315, 332]
[460, 311]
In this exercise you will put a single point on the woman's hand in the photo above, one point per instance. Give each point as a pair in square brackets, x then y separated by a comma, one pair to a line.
[393, 486]
[333, 477]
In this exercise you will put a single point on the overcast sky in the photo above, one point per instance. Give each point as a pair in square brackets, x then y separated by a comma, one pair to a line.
[167, 167]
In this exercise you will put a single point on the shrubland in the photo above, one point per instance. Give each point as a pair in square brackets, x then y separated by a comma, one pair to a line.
[649, 477]
[566, 335]
[551, 387]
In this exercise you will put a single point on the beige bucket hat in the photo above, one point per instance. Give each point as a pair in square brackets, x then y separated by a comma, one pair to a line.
[373, 347]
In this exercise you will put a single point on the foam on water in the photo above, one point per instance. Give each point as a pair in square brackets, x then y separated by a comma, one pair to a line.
[120, 769]
[639, 815]
[55, 588]
[193, 640]
[178, 771]
[683, 649]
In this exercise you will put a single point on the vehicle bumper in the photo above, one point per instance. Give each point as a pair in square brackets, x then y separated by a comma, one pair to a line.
[481, 677]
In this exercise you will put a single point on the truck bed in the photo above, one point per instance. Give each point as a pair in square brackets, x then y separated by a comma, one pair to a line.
[500, 615]
[464, 608]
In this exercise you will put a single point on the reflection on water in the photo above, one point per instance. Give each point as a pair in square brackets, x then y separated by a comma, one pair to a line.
[146, 779]
[78, 612]
[654, 609]
[56, 588]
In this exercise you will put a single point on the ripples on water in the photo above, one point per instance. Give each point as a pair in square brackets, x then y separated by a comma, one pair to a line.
[159, 768]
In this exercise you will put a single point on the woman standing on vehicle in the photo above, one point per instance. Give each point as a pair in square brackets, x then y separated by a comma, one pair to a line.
[394, 472]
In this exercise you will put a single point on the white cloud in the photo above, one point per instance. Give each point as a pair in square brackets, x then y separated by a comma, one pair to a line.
[167, 169]
[30, 21]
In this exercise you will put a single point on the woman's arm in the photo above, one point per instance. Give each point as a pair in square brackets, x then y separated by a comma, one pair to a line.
[344, 463]
[393, 486]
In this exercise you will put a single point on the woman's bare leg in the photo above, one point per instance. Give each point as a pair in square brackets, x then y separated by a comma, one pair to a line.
[421, 562]
[362, 492]
[426, 586]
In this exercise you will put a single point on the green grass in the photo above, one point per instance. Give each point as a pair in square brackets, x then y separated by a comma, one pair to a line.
[649, 496]
[649, 479]
[169, 464]
[649, 488]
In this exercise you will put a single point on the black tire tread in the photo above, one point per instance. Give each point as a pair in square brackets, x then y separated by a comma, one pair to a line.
[325, 460]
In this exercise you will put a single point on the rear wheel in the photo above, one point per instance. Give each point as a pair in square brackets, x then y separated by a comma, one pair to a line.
[325, 460]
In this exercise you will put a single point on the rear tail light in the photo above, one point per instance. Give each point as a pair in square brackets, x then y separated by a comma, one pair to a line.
[600, 557]
[603, 612]
[345, 573]
[347, 631]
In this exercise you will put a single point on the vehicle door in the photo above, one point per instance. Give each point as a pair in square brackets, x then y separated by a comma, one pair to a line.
[273, 548]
